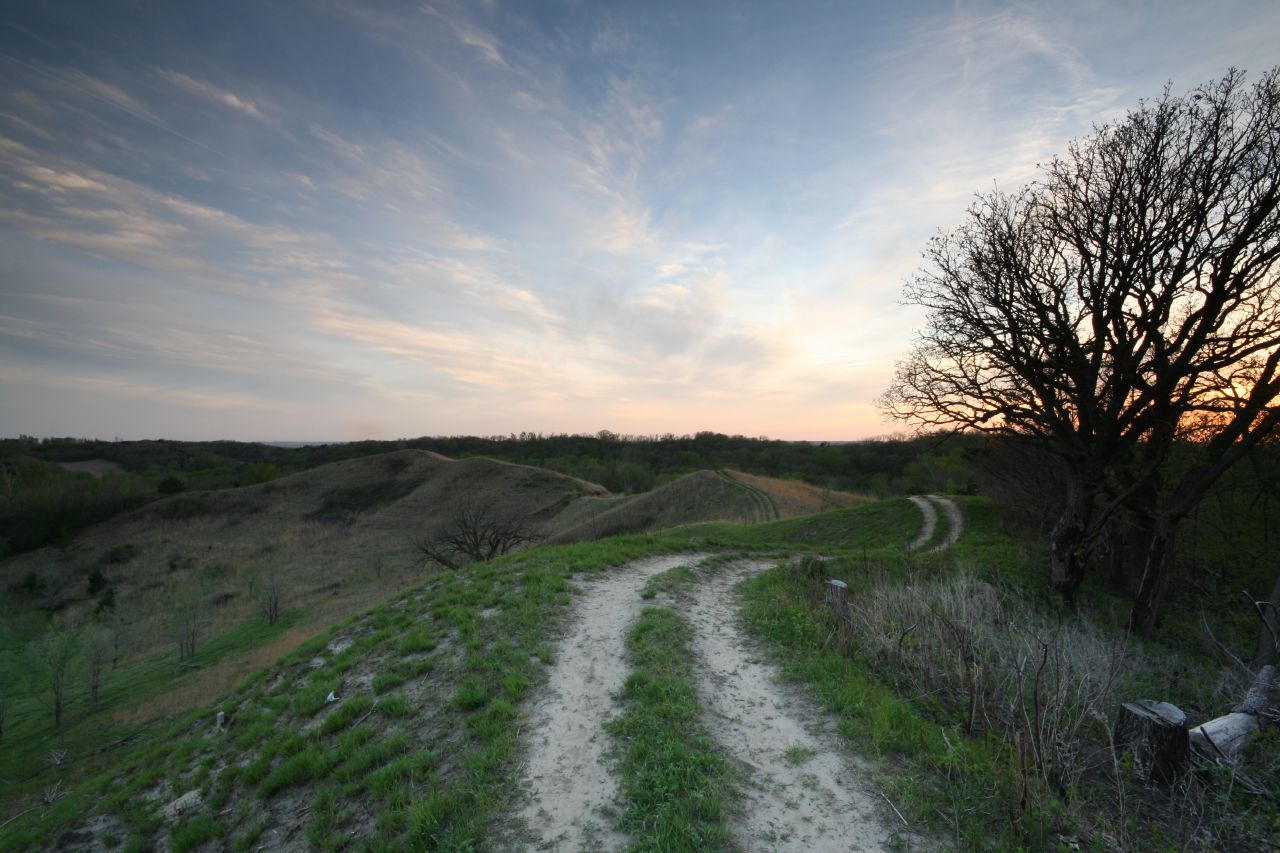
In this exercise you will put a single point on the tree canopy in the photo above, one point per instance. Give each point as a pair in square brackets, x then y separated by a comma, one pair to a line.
[1123, 302]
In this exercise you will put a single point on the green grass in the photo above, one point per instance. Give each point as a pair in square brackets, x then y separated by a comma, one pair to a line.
[673, 776]
[29, 734]
[419, 751]
[465, 716]
[957, 786]
[668, 581]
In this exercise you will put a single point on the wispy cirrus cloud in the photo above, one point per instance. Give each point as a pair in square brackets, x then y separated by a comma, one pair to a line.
[214, 94]
[486, 219]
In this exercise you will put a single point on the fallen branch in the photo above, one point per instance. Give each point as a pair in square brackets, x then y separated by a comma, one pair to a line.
[15, 817]
[895, 809]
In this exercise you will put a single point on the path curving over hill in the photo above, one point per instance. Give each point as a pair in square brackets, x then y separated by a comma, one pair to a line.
[929, 506]
[930, 522]
[765, 507]
[955, 522]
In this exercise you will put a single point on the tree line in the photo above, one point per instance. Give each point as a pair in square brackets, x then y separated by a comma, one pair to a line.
[41, 503]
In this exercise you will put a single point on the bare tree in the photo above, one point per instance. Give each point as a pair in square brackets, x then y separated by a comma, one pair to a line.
[477, 532]
[117, 632]
[271, 597]
[54, 653]
[188, 612]
[1120, 307]
[98, 648]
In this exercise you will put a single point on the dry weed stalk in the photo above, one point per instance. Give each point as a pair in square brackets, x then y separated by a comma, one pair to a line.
[1037, 682]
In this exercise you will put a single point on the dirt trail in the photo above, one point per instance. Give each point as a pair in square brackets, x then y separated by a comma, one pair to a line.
[801, 791]
[930, 522]
[568, 778]
[955, 522]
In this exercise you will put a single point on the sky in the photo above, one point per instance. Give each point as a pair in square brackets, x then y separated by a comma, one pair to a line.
[335, 220]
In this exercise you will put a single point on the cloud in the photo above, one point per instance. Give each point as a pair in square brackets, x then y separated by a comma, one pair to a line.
[101, 90]
[214, 94]
[469, 34]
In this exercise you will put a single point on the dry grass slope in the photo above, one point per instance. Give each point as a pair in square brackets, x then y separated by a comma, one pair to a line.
[336, 538]
[730, 496]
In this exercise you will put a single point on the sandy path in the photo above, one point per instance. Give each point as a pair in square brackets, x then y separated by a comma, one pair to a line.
[955, 522]
[807, 800]
[930, 522]
[568, 779]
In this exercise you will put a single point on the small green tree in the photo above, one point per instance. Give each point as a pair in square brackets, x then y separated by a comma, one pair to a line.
[171, 486]
[260, 472]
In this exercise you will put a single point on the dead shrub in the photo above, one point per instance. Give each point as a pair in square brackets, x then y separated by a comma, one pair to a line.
[1037, 681]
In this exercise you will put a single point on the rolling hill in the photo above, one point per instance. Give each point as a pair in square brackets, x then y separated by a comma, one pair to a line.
[333, 540]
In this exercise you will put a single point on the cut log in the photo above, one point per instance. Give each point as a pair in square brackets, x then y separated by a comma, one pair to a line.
[1156, 734]
[1225, 736]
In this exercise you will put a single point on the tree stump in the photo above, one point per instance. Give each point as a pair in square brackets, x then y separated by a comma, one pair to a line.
[837, 595]
[1156, 734]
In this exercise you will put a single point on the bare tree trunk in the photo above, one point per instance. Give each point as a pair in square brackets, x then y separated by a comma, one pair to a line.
[1151, 585]
[1066, 551]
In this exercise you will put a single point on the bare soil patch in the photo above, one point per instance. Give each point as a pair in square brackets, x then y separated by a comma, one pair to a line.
[930, 522]
[801, 790]
[955, 522]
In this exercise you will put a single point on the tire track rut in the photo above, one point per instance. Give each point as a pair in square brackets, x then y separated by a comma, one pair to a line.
[800, 789]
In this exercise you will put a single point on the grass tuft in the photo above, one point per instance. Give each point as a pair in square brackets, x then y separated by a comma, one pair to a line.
[673, 776]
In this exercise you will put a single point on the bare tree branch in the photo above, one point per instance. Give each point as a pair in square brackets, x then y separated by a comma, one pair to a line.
[1123, 305]
[476, 532]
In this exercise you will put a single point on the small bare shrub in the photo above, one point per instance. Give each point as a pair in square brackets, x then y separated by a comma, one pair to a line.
[271, 597]
[54, 653]
[476, 533]
[97, 652]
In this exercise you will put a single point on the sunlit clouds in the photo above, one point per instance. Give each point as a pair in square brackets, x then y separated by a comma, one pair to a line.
[314, 221]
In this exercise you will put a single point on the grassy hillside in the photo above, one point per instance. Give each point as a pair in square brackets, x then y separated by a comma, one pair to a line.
[332, 541]
[418, 748]
[428, 689]
[725, 496]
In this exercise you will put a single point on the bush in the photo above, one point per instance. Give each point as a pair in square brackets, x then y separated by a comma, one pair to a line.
[261, 472]
[108, 600]
[171, 486]
[178, 509]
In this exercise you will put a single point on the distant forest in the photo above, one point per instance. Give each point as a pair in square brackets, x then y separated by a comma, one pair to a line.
[45, 504]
